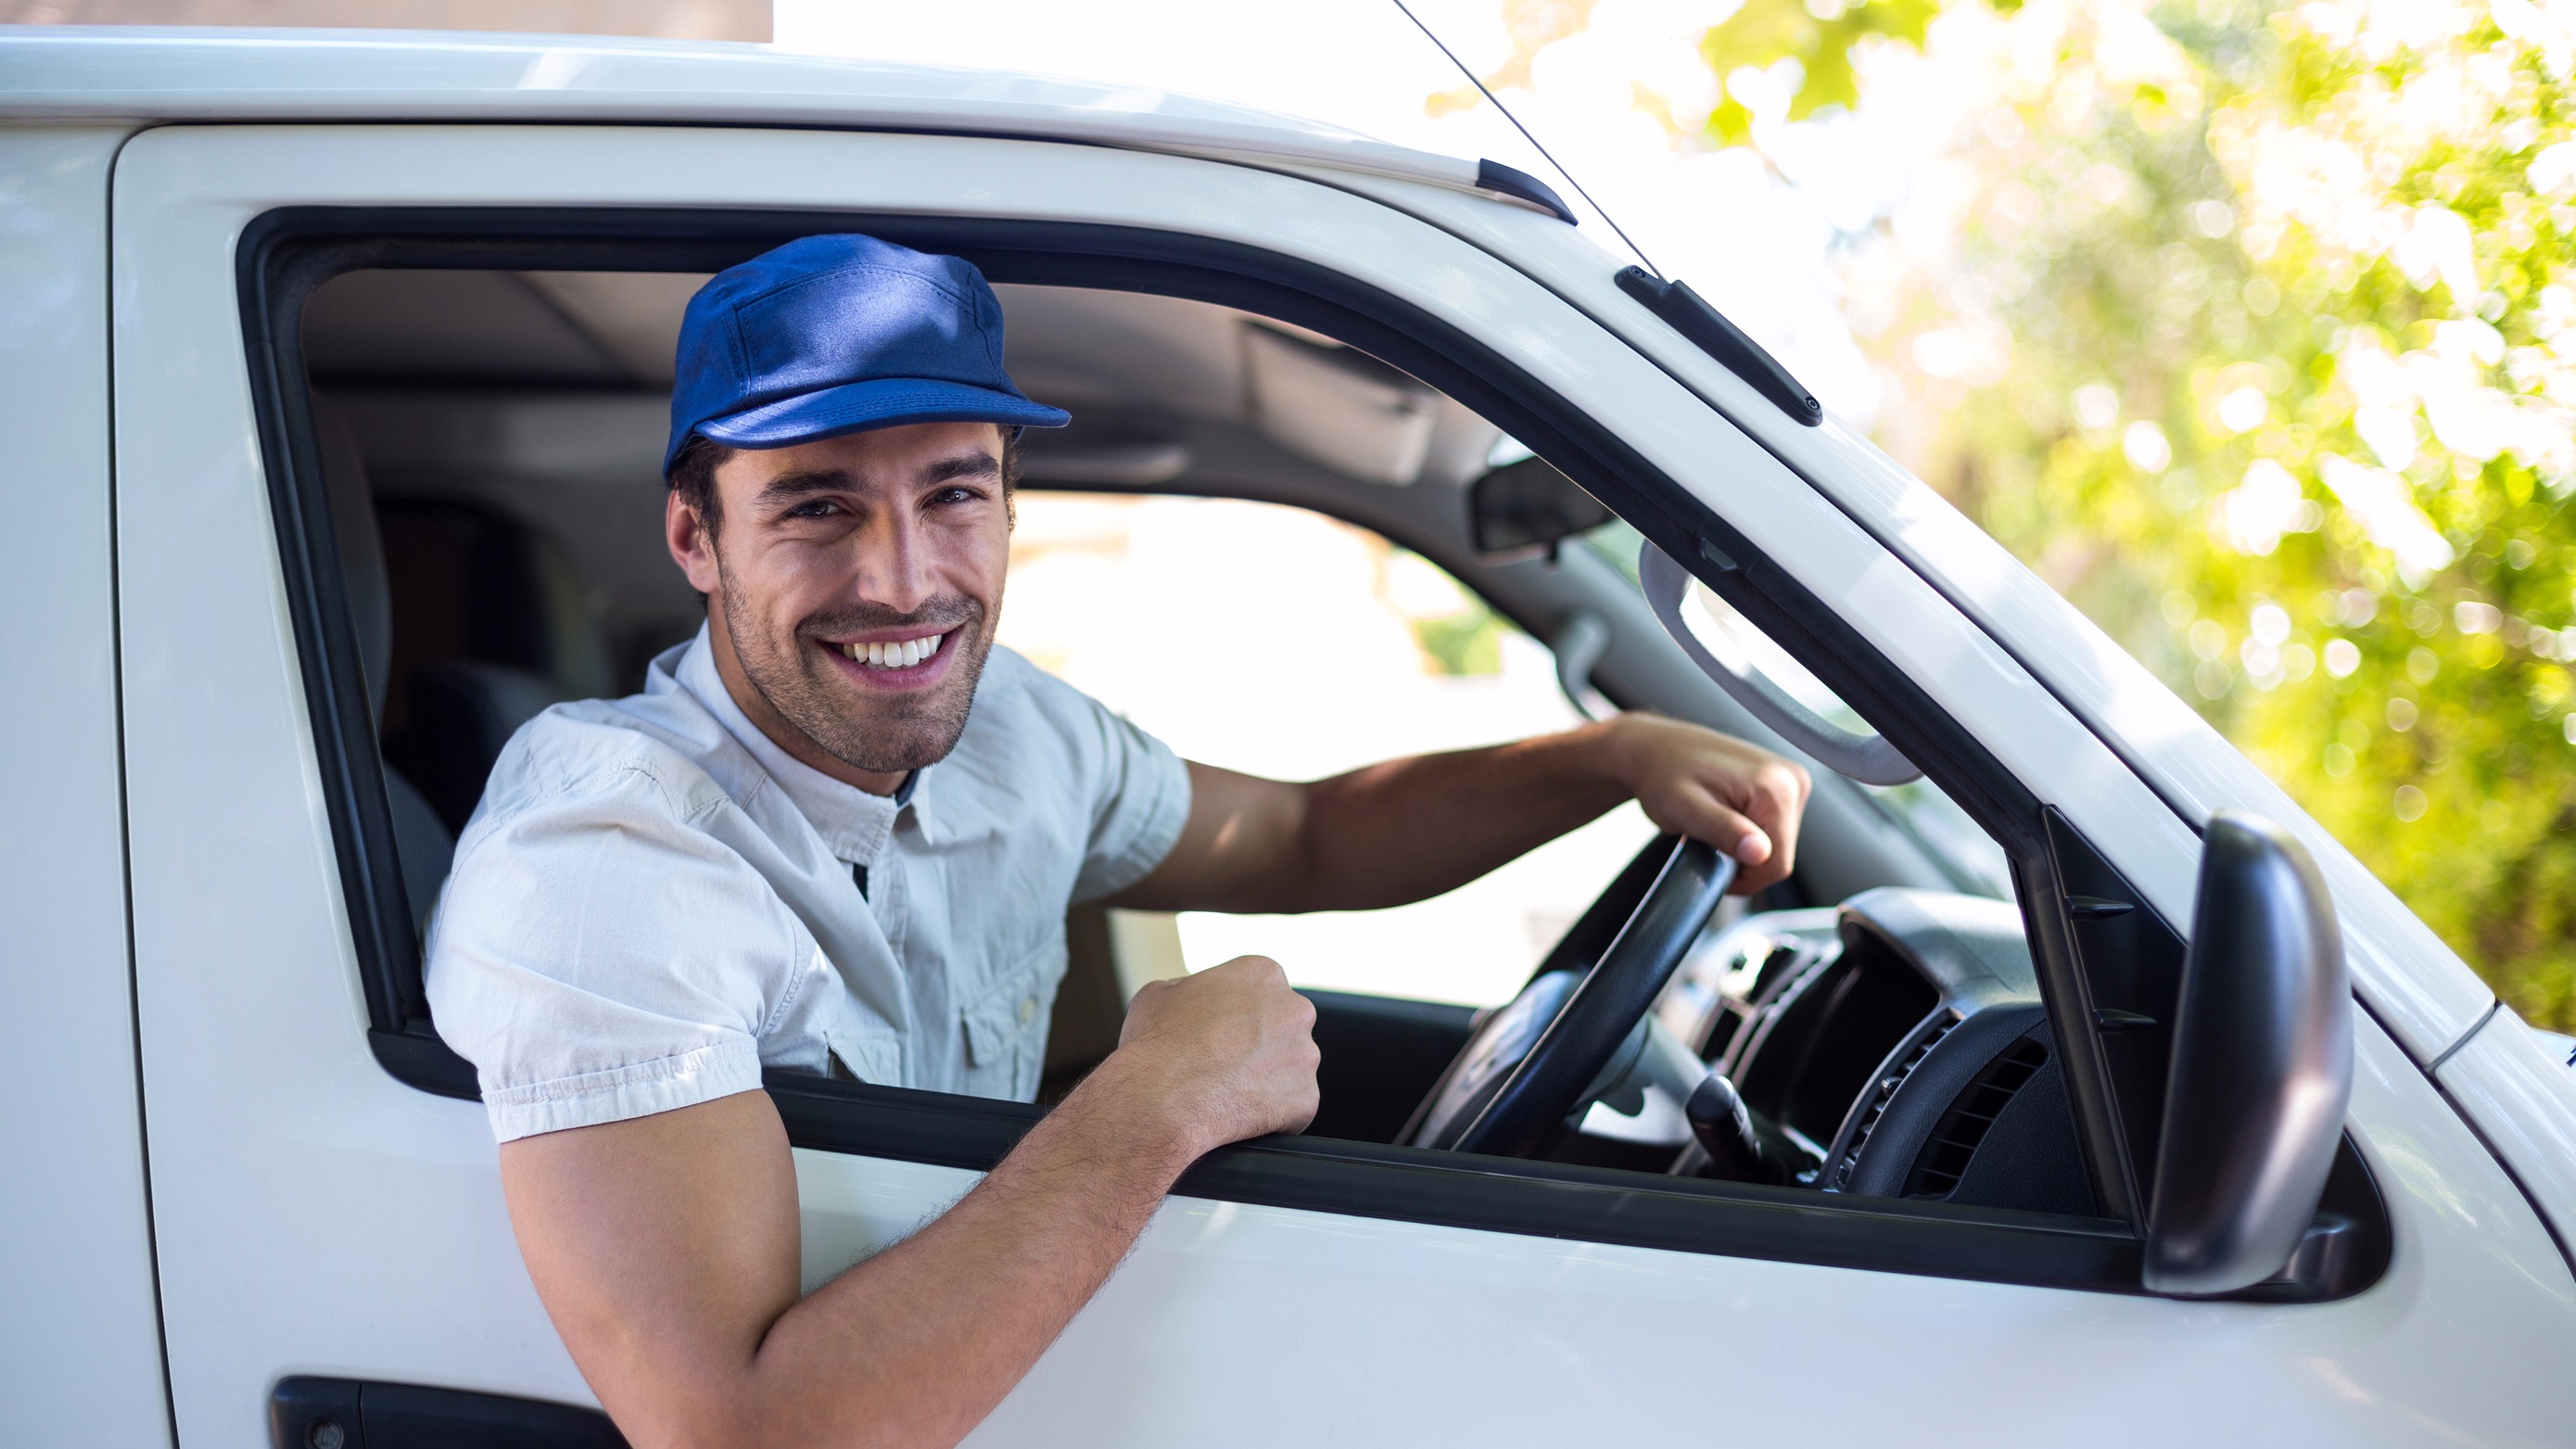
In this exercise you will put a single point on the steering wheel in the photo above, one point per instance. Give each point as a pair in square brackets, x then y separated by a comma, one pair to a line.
[1529, 1065]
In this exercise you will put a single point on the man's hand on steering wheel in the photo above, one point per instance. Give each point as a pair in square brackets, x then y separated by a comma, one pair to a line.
[1740, 798]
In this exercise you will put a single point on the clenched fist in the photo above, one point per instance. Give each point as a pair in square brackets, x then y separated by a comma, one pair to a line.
[1223, 1055]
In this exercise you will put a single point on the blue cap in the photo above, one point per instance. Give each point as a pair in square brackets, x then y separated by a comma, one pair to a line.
[838, 334]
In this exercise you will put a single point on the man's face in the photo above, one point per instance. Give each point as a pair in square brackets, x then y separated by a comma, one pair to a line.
[854, 585]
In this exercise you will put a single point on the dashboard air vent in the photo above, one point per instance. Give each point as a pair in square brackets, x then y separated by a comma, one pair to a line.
[1881, 1094]
[1945, 1158]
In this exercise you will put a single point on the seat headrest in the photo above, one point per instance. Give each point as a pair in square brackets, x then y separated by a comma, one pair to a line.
[361, 548]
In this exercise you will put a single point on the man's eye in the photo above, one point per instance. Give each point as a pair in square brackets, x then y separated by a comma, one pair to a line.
[816, 508]
[953, 495]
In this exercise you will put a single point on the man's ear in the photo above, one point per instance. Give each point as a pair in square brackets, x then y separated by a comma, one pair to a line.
[693, 544]
[1009, 463]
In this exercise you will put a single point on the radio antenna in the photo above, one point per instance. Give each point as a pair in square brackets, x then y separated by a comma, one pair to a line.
[1559, 166]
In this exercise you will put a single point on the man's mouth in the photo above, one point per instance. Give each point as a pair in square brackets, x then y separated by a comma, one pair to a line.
[898, 654]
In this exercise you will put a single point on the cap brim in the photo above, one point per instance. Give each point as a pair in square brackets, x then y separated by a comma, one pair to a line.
[883, 402]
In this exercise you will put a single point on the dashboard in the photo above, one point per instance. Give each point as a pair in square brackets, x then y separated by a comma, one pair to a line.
[1895, 1045]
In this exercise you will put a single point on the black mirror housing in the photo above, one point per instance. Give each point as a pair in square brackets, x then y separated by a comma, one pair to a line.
[2262, 1066]
[1526, 508]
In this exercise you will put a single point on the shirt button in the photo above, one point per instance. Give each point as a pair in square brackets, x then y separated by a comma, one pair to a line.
[1028, 1008]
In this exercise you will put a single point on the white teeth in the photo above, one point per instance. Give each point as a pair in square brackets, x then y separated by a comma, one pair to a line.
[902, 655]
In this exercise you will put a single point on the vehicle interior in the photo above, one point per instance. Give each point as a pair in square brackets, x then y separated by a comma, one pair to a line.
[490, 442]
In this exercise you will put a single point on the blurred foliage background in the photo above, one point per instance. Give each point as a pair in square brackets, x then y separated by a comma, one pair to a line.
[2249, 326]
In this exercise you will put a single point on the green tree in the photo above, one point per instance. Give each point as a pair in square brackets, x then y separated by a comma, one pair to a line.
[2251, 331]
[1808, 47]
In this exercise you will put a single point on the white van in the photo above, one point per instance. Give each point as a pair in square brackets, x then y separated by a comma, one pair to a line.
[333, 379]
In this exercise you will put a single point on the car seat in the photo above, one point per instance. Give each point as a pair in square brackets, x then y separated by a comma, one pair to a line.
[423, 842]
[490, 626]
[469, 624]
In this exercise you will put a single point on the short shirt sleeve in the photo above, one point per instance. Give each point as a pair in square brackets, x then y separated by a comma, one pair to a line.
[1131, 791]
[1137, 815]
[598, 956]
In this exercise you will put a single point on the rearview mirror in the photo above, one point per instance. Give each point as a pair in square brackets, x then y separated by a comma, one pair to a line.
[2262, 1066]
[1523, 509]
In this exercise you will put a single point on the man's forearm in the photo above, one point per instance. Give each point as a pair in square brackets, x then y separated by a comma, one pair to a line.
[1381, 836]
[1412, 828]
[666, 1246]
[916, 1345]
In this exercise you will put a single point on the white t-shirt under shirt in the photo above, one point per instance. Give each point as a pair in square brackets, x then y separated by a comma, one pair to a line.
[653, 901]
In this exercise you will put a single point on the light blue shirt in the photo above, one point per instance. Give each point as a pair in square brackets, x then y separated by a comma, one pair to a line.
[653, 901]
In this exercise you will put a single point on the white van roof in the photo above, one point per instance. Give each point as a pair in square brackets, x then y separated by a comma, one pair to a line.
[154, 74]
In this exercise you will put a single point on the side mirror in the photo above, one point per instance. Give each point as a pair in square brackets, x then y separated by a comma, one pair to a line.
[1523, 509]
[2262, 1066]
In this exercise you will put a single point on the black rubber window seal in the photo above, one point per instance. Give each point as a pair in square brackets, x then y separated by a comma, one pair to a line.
[286, 253]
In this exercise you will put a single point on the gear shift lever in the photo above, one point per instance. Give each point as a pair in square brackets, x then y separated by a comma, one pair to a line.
[1726, 1132]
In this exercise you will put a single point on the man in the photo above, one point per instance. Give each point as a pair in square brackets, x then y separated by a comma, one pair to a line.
[838, 832]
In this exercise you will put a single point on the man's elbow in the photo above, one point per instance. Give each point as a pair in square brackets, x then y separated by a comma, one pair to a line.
[753, 1414]
[714, 1415]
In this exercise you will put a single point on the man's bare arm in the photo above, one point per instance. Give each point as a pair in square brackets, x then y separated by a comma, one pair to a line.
[1409, 829]
[666, 1247]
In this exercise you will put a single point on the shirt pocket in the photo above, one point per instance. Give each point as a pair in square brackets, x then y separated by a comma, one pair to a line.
[867, 1056]
[1006, 1026]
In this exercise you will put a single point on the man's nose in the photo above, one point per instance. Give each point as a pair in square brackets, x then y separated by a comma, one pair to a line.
[894, 562]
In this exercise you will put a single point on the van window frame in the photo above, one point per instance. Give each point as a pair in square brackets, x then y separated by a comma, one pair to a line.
[286, 253]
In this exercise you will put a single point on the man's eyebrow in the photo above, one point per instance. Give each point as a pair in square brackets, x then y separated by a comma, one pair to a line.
[787, 486]
[965, 465]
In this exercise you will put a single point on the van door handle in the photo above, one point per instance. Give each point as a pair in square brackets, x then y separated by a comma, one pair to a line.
[319, 1413]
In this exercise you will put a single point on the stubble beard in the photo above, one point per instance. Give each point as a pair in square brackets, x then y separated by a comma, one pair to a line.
[885, 734]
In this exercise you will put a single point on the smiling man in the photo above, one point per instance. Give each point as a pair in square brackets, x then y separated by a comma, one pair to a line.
[838, 833]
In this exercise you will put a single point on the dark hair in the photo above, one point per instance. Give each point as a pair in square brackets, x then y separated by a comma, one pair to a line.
[693, 473]
[693, 476]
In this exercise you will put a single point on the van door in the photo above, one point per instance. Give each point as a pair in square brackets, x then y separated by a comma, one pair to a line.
[325, 1198]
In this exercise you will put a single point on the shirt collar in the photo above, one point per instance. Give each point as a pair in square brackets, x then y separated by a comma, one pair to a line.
[853, 822]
